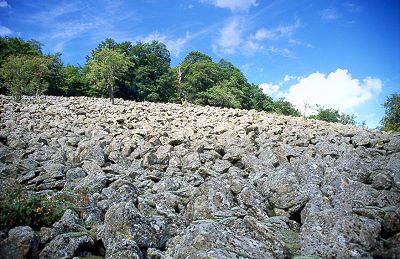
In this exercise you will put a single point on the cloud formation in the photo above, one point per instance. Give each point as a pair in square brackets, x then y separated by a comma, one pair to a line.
[329, 14]
[235, 38]
[281, 31]
[175, 46]
[4, 31]
[233, 5]
[269, 89]
[230, 36]
[3, 4]
[337, 90]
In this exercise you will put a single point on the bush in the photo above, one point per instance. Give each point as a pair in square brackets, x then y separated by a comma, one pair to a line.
[20, 208]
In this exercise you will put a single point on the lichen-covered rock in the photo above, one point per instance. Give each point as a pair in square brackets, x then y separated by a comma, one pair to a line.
[332, 233]
[124, 221]
[68, 245]
[69, 222]
[124, 249]
[21, 243]
[159, 180]
[227, 238]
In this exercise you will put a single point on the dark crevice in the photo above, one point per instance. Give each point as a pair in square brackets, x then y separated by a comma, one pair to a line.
[3, 140]
[368, 145]
[296, 216]
[162, 244]
[98, 248]
[177, 209]
[289, 157]
[136, 203]
[25, 155]
[387, 234]
[241, 216]
[143, 249]
[275, 164]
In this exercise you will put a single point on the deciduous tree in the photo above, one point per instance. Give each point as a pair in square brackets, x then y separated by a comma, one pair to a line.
[26, 74]
[105, 67]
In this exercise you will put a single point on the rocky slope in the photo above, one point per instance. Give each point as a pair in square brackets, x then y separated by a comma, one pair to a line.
[166, 181]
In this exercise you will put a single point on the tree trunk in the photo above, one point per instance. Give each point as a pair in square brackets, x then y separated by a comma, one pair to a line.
[180, 88]
[111, 93]
[18, 97]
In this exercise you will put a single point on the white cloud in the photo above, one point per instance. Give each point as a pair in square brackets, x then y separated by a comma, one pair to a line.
[289, 78]
[3, 4]
[230, 36]
[337, 90]
[329, 14]
[284, 52]
[175, 46]
[4, 31]
[233, 5]
[258, 42]
[269, 89]
[281, 31]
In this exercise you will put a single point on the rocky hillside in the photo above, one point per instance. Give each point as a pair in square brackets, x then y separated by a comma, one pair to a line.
[166, 181]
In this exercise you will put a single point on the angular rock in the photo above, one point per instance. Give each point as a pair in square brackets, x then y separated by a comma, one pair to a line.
[124, 249]
[68, 245]
[124, 221]
[21, 243]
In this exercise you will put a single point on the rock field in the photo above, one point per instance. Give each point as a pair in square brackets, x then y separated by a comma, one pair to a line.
[173, 181]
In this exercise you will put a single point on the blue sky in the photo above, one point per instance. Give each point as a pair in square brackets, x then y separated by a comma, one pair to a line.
[339, 54]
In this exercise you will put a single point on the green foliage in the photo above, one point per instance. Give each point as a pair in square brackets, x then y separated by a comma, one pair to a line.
[152, 74]
[20, 208]
[104, 68]
[347, 119]
[26, 74]
[200, 73]
[254, 98]
[286, 108]
[55, 78]
[391, 120]
[332, 115]
[16, 47]
[224, 94]
[73, 83]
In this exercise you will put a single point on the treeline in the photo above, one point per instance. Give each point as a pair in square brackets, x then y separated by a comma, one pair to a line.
[138, 71]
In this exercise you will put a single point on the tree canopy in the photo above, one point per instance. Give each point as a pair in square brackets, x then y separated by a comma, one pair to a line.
[332, 115]
[391, 120]
[104, 68]
[26, 74]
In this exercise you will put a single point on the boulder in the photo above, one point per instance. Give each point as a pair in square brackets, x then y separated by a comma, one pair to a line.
[21, 243]
[68, 245]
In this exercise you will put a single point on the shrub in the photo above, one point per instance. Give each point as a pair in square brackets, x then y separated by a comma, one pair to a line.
[20, 208]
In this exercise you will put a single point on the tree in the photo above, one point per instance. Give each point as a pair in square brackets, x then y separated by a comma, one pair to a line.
[26, 75]
[286, 108]
[224, 94]
[10, 46]
[195, 75]
[152, 74]
[105, 67]
[391, 120]
[74, 83]
[332, 115]
[55, 76]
